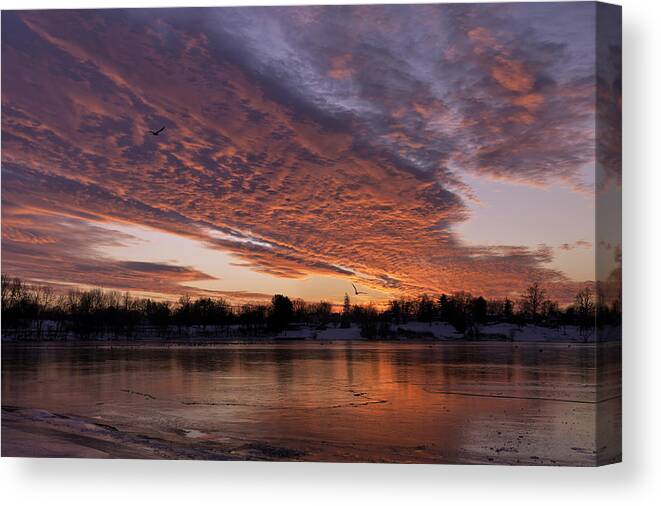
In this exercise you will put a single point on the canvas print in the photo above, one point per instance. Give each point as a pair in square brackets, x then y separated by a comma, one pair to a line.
[381, 233]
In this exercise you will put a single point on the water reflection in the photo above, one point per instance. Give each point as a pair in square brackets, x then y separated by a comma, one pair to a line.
[494, 402]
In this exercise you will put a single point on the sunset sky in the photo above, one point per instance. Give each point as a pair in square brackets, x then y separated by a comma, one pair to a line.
[406, 149]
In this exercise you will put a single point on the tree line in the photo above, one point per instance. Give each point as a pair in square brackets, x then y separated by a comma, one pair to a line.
[87, 311]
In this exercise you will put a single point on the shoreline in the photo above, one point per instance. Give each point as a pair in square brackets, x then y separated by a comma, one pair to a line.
[33, 432]
[38, 433]
[290, 343]
[411, 332]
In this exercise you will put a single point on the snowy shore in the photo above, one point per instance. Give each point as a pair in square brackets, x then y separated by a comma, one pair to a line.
[409, 331]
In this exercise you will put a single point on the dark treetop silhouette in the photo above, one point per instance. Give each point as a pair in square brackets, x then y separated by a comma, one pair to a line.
[87, 313]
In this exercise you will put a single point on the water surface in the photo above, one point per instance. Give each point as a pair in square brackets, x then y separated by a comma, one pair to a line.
[376, 402]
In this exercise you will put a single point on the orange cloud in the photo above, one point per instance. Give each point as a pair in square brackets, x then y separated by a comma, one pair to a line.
[512, 75]
[531, 101]
[340, 67]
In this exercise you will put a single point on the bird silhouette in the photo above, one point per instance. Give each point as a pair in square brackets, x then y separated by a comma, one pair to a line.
[356, 290]
[156, 132]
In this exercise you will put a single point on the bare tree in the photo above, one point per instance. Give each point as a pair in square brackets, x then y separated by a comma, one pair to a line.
[584, 307]
[532, 300]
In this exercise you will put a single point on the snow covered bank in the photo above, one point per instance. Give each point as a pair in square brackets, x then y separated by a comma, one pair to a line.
[412, 330]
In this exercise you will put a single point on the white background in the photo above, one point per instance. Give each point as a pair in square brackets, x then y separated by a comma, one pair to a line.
[634, 482]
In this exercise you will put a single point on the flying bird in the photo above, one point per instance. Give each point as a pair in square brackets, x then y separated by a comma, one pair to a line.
[356, 290]
[156, 132]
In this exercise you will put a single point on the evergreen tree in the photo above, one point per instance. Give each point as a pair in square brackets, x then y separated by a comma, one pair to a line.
[345, 321]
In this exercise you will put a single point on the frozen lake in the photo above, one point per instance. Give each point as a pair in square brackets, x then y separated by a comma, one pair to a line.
[522, 403]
